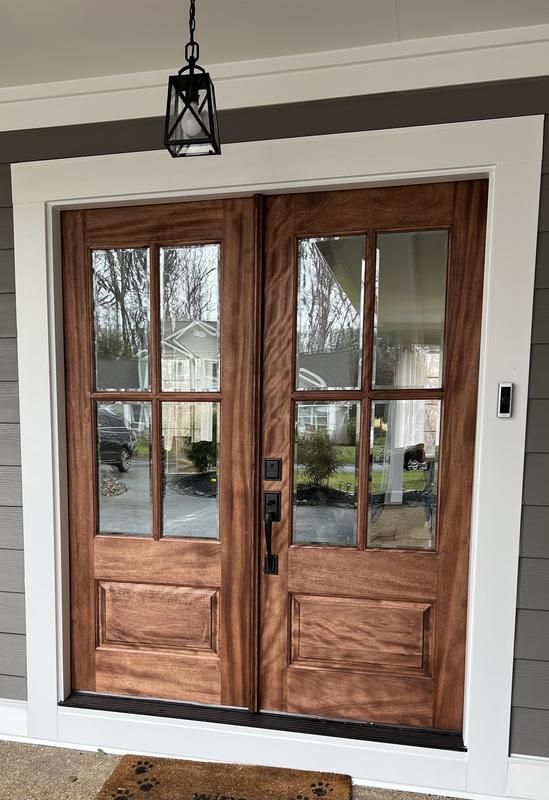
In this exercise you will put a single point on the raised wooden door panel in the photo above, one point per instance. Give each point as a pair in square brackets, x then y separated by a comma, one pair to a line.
[370, 361]
[160, 321]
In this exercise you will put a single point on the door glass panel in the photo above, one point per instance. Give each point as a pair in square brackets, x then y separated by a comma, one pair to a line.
[326, 472]
[121, 315]
[189, 287]
[403, 490]
[410, 305]
[190, 447]
[124, 468]
[329, 312]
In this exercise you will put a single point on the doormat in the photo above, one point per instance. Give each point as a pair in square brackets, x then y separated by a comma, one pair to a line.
[139, 777]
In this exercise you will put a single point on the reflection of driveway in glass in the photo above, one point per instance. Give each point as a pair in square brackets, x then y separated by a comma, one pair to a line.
[324, 524]
[130, 512]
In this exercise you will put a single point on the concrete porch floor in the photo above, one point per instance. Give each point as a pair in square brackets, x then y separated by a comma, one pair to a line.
[37, 772]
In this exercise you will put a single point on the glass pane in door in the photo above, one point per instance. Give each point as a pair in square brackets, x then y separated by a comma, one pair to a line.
[403, 489]
[326, 472]
[410, 309]
[190, 448]
[189, 311]
[122, 319]
[124, 468]
[329, 312]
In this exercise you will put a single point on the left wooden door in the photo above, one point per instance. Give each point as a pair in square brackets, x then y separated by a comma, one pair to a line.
[160, 319]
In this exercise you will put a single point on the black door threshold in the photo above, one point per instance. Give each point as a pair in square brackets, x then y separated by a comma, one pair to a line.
[366, 731]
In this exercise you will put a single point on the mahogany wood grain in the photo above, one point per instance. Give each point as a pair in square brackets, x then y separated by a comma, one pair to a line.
[153, 616]
[278, 436]
[377, 574]
[80, 461]
[189, 562]
[462, 344]
[393, 699]
[167, 224]
[238, 493]
[353, 634]
[357, 210]
[172, 676]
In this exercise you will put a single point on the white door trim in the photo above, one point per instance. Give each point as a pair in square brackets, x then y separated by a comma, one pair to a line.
[509, 153]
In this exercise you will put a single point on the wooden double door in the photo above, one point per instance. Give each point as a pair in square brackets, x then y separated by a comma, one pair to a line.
[270, 425]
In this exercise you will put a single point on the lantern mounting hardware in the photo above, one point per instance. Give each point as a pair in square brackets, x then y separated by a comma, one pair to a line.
[191, 127]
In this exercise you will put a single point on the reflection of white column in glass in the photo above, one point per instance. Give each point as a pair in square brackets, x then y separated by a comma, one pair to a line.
[394, 445]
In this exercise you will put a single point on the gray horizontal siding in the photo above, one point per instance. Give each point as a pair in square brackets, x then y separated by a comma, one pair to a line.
[539, 372]
[540, 324]
[535, 532]
[12, 655]
[6, 229]
[10, 449]
[10, 486]
[11, 528]
[5, 185]
[530, 713]
[533, 592]
[11, 571]
[13, 687]
[9, 402]
[536, 478]
[531, 684]
[532, 635]
[537, 431]
[542, 261]
[529, 731]
[12, 612]
[12, 598]
[8, 360]
[7, 315]
[7, 271]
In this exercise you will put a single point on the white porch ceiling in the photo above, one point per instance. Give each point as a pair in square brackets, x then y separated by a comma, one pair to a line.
[62, 40]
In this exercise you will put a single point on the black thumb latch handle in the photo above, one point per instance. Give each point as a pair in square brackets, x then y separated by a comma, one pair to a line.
[270, 566]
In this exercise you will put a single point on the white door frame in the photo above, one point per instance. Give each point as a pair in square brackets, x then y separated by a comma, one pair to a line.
[508, 152]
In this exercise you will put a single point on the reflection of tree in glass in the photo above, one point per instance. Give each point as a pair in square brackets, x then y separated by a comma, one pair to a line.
[189, 285]
[318, 456]
[327, 320]
[121, 289]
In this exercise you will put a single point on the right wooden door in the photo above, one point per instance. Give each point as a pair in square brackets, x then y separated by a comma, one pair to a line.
[372, 316]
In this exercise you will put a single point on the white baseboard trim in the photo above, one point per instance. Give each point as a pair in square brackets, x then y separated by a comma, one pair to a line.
[528, 777]
[13, 718]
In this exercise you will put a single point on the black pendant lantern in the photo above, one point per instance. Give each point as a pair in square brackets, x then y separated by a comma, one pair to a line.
[191, 116]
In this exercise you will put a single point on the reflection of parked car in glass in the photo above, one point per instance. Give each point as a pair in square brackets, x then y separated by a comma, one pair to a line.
[116, 441]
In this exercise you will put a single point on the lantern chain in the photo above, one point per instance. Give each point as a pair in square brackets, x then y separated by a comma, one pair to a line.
[192, 49]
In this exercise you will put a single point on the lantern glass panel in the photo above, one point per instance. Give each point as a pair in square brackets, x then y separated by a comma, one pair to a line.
[191, 123]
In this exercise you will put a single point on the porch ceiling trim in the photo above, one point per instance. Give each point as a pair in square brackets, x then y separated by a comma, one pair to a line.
[395, 66]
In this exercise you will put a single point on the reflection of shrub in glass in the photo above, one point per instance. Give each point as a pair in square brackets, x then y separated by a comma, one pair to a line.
[318, 456]
[203, 455]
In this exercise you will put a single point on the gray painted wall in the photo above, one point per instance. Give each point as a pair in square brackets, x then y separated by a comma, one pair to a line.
[530, 720]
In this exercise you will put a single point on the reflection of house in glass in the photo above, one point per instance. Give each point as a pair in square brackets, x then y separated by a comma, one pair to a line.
[190, 357]
[330, 418]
